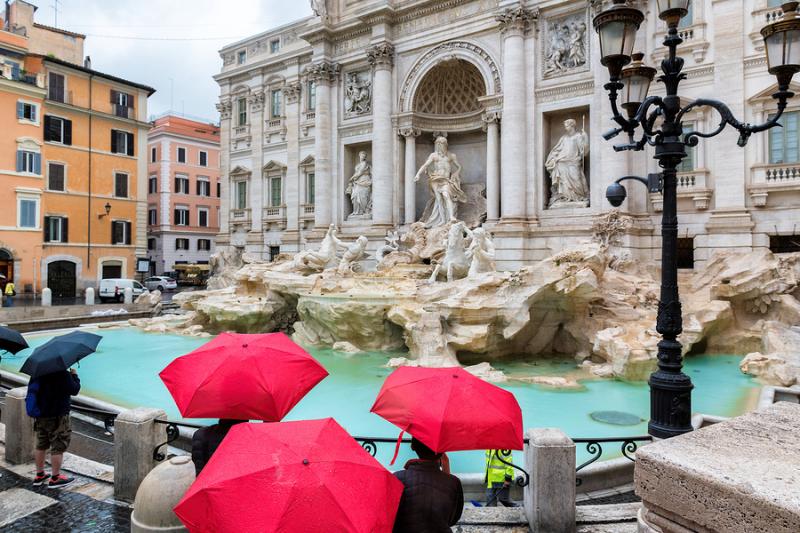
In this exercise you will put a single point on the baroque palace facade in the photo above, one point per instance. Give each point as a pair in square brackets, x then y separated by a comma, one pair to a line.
[328, 121]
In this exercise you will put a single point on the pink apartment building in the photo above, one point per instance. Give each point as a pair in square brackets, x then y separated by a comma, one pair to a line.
[183, 192]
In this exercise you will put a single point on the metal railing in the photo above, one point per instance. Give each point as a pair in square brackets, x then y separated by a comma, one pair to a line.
[628, 446]
[173, 432]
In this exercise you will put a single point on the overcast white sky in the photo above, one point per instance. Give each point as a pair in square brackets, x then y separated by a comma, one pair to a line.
[120, 41]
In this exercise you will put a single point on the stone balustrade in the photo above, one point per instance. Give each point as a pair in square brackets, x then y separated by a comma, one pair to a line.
[766, 179]
[692, 185]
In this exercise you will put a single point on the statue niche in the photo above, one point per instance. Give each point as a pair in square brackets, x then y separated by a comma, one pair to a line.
[565, 166]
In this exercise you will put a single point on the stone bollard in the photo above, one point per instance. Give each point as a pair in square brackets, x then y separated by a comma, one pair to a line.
[136, 435]
[550, 496]
[159, 493]
[89, 296]
[19, 427]
[128, 295]
[47, 297]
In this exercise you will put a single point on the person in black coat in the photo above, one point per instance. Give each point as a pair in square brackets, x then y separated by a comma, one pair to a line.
[205, 441]
[432, 499]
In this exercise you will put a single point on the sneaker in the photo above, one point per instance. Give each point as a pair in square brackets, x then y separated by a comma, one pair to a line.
[56, 482]
[40, 478]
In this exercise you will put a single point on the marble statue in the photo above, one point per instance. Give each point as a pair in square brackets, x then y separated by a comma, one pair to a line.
[565, 166]
[320, 8]
[480, 253]
[352, 254]
[566, 47]
[357, 95]
[444, 180]
[392, 245]
[359, 188]
[323, 258]
[455, 262]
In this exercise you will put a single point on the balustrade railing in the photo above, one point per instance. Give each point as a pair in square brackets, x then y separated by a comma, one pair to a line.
[173, 432]
[778, 174]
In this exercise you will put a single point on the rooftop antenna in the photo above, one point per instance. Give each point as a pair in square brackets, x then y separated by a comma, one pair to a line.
[55, 7]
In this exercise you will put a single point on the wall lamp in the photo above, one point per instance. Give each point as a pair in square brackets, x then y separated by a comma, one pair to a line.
[107, 207]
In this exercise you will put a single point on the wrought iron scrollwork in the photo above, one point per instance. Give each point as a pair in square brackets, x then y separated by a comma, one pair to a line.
[370, 446]
[172, 435]
[523, 480]
[628, 447]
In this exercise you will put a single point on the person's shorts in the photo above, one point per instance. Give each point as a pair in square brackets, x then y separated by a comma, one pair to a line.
[53, 433]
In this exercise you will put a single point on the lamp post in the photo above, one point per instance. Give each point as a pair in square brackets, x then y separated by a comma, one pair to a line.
[629, 82]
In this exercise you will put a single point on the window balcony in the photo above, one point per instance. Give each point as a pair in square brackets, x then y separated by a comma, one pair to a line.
[768, 178]
[762, 17]
[274, 217]
[241, 131]
[9, 72]
[240, 218]
[692, 185]
[695, 42]
[307, 212]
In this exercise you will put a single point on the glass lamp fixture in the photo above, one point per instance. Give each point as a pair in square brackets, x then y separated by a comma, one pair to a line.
[617, 28]
[636, 79]
[782, 41]
[672, 11]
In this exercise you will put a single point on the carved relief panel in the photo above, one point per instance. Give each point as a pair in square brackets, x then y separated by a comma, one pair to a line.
[357, 93]
[565, 45]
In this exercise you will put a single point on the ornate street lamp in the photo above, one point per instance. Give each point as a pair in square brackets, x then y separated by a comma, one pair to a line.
[670, 388]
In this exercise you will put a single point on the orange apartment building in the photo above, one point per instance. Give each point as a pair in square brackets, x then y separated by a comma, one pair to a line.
[183, 192]
[75, 162]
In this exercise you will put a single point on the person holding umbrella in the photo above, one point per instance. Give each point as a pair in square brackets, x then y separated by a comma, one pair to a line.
[48, 401]
[432, 499]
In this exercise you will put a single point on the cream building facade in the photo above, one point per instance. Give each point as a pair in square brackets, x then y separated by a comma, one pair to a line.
[499, 80]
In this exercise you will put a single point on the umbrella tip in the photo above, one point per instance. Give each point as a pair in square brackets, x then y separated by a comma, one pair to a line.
[305, 461]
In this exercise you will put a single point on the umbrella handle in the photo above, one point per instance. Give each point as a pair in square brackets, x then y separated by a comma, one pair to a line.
[397, 447]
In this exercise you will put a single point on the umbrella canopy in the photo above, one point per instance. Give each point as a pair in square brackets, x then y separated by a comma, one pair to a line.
[308, 476]
[449, 409]
[60, 353]
[11, 340]
[241, 376]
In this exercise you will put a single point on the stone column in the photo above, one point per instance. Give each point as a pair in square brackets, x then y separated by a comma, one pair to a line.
[256, 192]
[291, 185]
[225, 109]
[550, 497]
[410, 170]
[324, 74]
[513, 138]
[19, 427]
[136, 435]
[492, 127]
[381, 57]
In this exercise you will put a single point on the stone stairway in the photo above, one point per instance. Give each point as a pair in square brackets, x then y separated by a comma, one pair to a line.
[614, 518]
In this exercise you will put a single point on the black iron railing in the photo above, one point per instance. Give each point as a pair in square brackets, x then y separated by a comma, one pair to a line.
[173, 432]
[627, 445]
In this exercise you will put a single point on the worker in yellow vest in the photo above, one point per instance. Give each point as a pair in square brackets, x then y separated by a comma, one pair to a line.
[498, 478]
[9, 292]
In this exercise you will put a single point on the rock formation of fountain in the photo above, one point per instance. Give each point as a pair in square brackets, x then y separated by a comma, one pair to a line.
[590, 302]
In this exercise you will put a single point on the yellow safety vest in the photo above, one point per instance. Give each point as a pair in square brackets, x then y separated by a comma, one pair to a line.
[496, 471]
[9, 289]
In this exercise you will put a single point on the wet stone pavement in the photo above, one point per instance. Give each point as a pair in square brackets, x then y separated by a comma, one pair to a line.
[29, 509]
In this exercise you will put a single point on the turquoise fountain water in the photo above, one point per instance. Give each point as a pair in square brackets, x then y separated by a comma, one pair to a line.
[125, 371]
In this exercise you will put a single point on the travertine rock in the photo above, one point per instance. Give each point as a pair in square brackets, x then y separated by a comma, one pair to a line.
[778, 362]
[584, 303]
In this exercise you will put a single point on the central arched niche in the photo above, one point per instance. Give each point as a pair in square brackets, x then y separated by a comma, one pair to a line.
[451, 89]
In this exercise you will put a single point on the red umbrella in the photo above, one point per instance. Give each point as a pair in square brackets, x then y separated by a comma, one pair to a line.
[449, 409]
[246, 377]
[308, 476]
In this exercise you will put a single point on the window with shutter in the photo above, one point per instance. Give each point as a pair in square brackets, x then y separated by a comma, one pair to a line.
[117, 232]
[129, 138]
[67, 132]
[120, 185]
[55, 176]
[275, 192]
[203, 159]
[55, 87]
[152, 185]
[784, 143]
[64, 229]
[127, 232]
[202, 218]
[181, 155]
[46, 229]
[27, 208]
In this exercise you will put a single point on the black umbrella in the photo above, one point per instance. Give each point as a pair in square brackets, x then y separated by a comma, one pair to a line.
[11, 341]
[60, 353]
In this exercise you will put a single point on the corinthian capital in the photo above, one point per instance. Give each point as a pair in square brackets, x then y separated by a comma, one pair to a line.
[323, 72]
[292, 92]
[409, 132]
[225, 109]
[514, 20]
[381, 55]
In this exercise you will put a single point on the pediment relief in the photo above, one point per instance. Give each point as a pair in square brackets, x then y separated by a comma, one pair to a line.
[766, 94]
[309, 161]
[274, 166]
[239, 170]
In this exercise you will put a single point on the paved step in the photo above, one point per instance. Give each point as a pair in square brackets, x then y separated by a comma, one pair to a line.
[492, 520]
[607, 514]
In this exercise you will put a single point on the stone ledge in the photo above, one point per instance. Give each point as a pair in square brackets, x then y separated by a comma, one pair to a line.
[740, 475]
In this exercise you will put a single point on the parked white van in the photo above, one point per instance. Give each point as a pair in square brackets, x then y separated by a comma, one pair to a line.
[113, 289]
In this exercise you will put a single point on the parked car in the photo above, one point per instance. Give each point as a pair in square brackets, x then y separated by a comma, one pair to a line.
[114, 289]
[160, 283]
